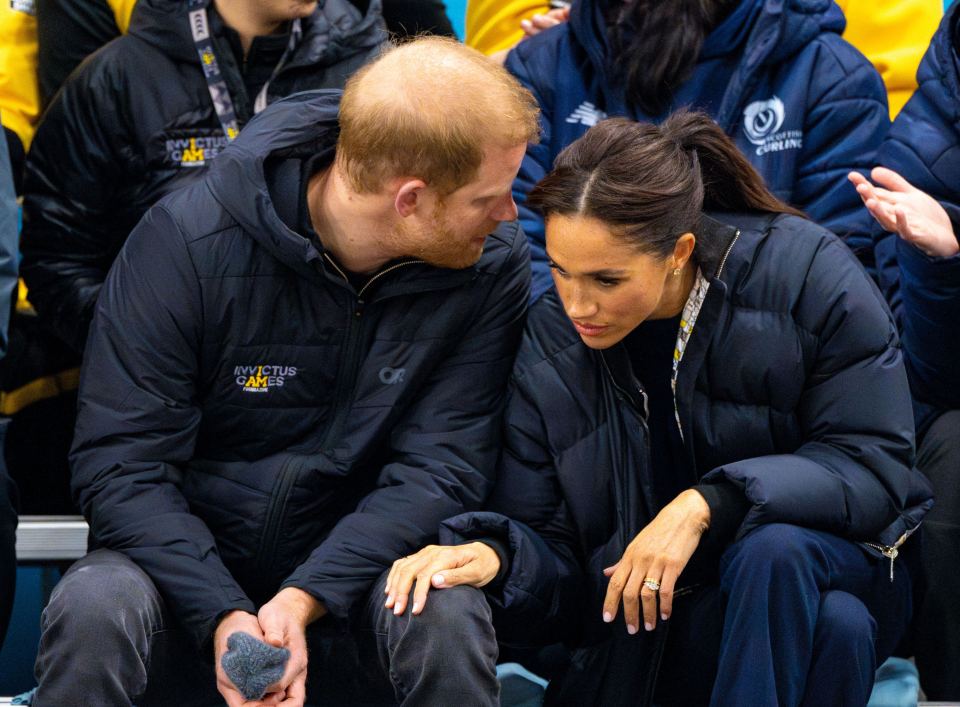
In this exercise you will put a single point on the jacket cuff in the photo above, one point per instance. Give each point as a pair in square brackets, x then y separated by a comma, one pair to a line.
[953, 212]
[728, 507]
[503, 554]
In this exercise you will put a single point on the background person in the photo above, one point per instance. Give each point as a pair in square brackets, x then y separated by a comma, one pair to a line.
[803, 105]
[680, 440]
[916, 201]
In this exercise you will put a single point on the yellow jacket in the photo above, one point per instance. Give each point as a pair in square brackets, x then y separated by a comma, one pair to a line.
[19, 92]
[892, 34]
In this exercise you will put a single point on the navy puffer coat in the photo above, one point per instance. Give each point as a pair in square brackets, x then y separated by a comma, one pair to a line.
[249, 420]
[791, 386]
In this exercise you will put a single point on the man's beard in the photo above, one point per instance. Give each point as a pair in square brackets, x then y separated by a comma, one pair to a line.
[437, 244]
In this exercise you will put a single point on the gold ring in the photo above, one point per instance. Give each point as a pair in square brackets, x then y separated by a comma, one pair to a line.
[651, 584]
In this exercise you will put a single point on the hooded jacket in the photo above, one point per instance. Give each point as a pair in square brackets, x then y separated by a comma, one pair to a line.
[801, 103]
[924, 291]
[790, 386]
[249, 421]
[134, 123]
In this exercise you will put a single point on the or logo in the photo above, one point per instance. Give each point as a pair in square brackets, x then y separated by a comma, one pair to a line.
[28, 7]
[262, 379]
[762, 121]
[392, 376]
[195, 151]
[587, 114]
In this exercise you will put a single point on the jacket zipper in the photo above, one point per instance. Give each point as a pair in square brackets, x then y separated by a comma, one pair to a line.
[891, 552]
[275, 512]
[346, 379]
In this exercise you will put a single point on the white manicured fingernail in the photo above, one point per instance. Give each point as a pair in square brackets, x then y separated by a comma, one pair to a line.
[416, 608]
[649, 627]
[631, 629]
[439, 580]
[607, 617]
[664, 617]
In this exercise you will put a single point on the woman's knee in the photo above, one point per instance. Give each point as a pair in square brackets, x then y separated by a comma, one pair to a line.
[774, 546]
[845, 619]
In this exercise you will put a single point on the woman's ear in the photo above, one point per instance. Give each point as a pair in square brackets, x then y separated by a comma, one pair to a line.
[683, 250]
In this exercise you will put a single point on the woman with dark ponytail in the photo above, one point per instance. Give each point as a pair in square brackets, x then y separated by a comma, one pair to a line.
[706, 478]
[802, 104]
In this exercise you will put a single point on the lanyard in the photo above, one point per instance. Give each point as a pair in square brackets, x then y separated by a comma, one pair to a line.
[219, 93]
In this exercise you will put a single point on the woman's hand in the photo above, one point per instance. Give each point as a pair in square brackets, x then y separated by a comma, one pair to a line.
[658, 554]
[903, 209]
[442, 566]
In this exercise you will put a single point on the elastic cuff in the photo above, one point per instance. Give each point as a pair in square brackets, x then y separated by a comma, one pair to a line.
[503, 553]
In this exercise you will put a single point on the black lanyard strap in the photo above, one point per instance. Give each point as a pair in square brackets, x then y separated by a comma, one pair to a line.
[216, 84]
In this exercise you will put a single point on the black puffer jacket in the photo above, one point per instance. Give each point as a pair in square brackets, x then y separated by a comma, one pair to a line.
[791, 386]
[248, 420]
[135, 122]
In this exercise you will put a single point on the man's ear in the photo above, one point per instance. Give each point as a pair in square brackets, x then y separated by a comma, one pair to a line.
[409, 196]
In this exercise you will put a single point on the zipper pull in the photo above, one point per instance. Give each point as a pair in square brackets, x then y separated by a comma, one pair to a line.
[892, 553]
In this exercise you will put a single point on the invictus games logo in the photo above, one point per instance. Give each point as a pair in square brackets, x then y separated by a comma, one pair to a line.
[761, 122]
[261, 379]
[195, 151]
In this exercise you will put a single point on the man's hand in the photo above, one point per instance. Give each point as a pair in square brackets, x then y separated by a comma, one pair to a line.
[281, 622]
[247, 623]
[659, 553]
[284, 620]
[442, 566]
[903, 209]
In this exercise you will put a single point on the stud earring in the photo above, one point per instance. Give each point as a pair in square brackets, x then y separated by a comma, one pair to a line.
[676, 271]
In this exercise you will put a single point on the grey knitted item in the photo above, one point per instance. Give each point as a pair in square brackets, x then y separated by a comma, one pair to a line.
[253, 665]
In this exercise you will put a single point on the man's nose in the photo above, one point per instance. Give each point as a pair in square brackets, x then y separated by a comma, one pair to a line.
[506, 209]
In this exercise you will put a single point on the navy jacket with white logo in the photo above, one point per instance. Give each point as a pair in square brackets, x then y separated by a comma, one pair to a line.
[248, 420]
[802, 104]
[134, 122]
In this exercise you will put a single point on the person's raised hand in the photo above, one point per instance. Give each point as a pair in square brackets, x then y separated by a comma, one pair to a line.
[230, 623]
[440, 566]
[536, 24]
[901, 208]
[284, 620]
[654, 560]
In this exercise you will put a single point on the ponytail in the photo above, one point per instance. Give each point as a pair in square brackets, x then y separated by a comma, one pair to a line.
[650, 184]
[730, 182]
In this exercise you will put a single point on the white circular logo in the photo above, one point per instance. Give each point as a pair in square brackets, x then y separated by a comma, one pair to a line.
[761, 119]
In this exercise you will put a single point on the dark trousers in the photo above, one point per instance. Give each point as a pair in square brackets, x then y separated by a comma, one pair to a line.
[109, 639]
[937, 637]
[800, 617]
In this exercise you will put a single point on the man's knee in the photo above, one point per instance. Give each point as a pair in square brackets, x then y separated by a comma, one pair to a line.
[103, 592]
[456, 611]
